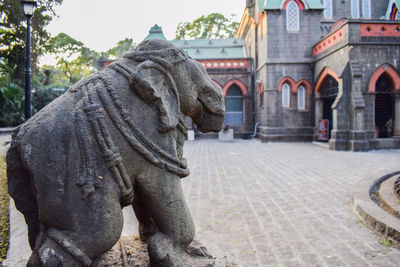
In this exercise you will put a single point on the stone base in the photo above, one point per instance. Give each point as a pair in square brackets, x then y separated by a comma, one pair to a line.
[283, 134]
[385, 143]
[136, 255]
[382, 213]
[226, 135]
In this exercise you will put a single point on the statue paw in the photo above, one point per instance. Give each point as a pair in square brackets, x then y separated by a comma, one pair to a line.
[197, 250]
[161, 252]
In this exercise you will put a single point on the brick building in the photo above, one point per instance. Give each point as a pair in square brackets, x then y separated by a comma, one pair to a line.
[330, 63]
[304, 70]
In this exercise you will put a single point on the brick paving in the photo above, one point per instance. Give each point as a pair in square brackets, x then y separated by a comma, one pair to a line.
[284, 204]
[4, 138]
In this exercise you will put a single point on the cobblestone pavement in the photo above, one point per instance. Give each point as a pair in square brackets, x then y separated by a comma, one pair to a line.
[3, 147]
[284, 204]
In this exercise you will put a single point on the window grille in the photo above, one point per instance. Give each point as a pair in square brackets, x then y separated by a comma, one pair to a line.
[328, 9]
[292, 16]
[301, 98]
[355, 9]
[366, 9]
[285, 95]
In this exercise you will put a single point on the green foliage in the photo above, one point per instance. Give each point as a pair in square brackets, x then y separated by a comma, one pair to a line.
[120, 49]
[13, 34]
[214, 25]
[386, 242]
[75, 61]
[11, 105]
[4, 202]
[63, 44]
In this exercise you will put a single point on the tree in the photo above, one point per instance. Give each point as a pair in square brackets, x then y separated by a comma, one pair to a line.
[74, 59]
[120, 49]
[214, 25]
[13, 32]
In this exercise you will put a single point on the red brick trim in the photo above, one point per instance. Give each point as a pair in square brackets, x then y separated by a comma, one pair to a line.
[337, 25]
[390, 71]
[298, 2]
[224, 63]
[328, 42]
[290, 81]
[261, 88]
[381, 29]
[306, 84]
[322, 77]
[238, 83]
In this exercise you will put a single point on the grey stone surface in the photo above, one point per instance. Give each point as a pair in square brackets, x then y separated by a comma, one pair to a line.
[284, 204]
[382, 217]
[4, 143]
[114, 139]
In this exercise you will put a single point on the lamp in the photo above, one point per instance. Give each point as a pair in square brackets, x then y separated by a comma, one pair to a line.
[29, 6]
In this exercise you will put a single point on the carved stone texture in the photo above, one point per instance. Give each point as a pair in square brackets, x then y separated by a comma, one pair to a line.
[113, 139]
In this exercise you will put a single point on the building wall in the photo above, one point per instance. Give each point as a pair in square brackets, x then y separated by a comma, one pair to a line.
[342, 9]
[354, 60]
[286, 55]
[223, 77]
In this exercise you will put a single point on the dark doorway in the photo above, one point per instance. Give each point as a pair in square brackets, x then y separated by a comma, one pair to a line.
[384, 107]
[328, 94]
[234, 106]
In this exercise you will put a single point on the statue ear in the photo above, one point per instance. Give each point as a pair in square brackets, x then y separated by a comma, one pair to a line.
[156, 87]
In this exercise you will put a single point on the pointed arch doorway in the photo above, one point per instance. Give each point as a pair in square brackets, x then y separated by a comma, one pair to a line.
[234, 106]
[328, 93]
[384, 106]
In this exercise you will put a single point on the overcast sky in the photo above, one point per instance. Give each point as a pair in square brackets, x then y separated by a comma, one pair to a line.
[100, 24]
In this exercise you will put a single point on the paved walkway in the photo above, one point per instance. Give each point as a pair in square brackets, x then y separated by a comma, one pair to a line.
[284, 204]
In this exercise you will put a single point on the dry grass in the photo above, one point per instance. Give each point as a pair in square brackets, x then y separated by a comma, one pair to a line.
[4, 202]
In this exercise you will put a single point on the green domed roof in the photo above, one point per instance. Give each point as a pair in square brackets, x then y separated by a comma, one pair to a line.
[155, 33]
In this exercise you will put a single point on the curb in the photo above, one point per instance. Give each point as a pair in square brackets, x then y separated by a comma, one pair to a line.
[7, 130]
[371, 214]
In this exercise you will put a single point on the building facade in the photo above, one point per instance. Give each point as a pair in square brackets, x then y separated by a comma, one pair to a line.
[326, 70]
[310, 70]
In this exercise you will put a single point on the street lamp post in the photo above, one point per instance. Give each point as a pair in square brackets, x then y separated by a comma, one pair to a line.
[29, 6]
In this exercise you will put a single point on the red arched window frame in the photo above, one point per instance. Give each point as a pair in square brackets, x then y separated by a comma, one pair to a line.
[288, 80]
[390, 71]
[306, 84]
[298, 2]
[238, 83]
[324, 74]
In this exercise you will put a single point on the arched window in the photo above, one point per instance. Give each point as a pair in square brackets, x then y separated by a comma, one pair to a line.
[366, 9]
[301, 98]
[355, 9]
[292, 16]
[285, 95]
[328, 9]
[234, 106]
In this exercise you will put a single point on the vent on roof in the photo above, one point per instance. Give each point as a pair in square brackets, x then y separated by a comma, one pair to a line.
[210, 42]
[235, 41]
[197, 51]
[185, 42]
[223, 51]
